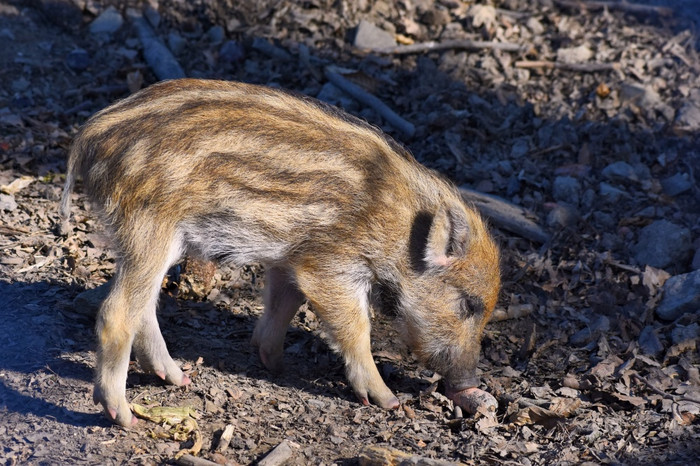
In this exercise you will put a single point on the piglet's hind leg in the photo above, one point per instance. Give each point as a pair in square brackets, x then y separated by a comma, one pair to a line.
[282, 300]
[127, 318]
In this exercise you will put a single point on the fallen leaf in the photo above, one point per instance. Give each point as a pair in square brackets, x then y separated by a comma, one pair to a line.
[564, 407]
[486, 423]
[16, 185]
[537, 415]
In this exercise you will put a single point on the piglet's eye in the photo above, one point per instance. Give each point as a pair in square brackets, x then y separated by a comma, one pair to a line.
[470, 306]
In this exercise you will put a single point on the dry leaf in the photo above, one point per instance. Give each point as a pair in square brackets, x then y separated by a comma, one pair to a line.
[482, 15]
[16, 185]
[606, 367]
[564, 407]
[486, 423]
[536, 415]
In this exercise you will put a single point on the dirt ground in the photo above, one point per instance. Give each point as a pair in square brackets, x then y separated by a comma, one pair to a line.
[590, 125]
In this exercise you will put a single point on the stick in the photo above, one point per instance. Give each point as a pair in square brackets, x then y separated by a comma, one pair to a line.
[506, 215]
[225, 439]
[621, 6]
[662, 393]
[278, 455]
[375, 455]
[365, 98]
[460, 44]
[272, 51]
[189, 460]
[157, 55]
[580, 67]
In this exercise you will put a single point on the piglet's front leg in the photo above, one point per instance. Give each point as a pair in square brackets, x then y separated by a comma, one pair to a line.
[342, 304]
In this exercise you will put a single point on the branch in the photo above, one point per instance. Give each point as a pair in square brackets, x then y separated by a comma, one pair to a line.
[580, 67]
[189, 460]
[463, 44]
[158, 56]
[506, 215]
[621, 6]
[368, 99]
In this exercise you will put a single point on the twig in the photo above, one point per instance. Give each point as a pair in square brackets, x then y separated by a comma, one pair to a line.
[506, 215]
[514, 14]
[368, 99]
[84, 105]
[460, 44]
[543, 348]
[9, 230]
[662, 393]
[579, 67]
[621, 6]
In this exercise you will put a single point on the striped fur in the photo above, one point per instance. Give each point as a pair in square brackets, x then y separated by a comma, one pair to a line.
[332, 207]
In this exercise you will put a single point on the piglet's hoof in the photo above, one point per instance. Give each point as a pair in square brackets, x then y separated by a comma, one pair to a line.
[471, 399]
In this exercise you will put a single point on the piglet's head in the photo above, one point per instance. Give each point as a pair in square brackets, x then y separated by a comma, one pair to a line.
[455, 288]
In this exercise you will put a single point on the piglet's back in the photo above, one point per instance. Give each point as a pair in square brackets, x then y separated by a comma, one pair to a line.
[188, 146]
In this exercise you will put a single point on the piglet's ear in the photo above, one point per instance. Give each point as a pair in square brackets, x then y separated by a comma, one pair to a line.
[448, 238]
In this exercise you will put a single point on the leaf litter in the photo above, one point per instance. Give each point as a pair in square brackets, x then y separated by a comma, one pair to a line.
[581, 365]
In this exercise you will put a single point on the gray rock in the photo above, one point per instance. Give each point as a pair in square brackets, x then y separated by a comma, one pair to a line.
[7, 202]
[64, 13]
[579, 54]
[645, 98]
[216, 34]
[78, 59]
[662, 244]
[642, 171]
[620, 171]
[588, 199]
[521, 146]
[369, 36]
[610, 241]
[535, 26]
[681, 294]
[566, 189]
[544, 135]
[648, 212]
[108, 22]
[20, 84]
[604, 220]
[696, 260]
[563, 215]
[6, 33]
[681, 333]
[591, 332]
[610, 193]
[231, 52]
[649, 342]
[89, 301]
[676, 184]
[688, 117]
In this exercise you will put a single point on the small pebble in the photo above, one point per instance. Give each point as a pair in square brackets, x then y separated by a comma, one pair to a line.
[78, 60]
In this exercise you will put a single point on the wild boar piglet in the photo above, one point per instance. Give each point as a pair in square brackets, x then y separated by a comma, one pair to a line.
[338, 213]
